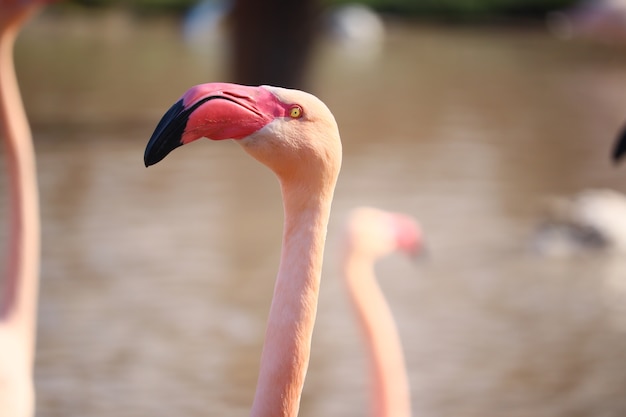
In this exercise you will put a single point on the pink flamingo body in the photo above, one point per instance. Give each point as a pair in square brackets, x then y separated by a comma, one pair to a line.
[18, 309]
[296, 136]
[370, 235]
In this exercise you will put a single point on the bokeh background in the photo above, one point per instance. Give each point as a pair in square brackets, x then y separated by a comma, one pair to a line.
[469, 115]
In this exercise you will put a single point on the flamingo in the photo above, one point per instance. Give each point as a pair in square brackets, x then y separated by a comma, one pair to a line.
[370, 235]
[594, 19]
[296, 136]
[592, 220]
[18, 308]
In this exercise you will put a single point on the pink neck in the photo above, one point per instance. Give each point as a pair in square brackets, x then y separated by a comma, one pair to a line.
[18, 307]
[287, 346]
[390, 386]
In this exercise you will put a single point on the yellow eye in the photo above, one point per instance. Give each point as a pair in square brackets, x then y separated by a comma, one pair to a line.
[295, 112]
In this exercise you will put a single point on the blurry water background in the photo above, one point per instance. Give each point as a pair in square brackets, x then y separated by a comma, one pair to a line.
[156, 283]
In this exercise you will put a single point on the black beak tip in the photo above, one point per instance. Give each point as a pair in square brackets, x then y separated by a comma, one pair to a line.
[620, 146]
[151, 156]
[168, 134]
[159, 147]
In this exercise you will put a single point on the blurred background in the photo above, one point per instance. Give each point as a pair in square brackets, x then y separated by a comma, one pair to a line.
[469, 115]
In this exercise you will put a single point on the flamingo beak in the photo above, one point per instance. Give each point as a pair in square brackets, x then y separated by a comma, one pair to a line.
[409, 238]
[167, 135]
[419, 253]
[215, 111]
[620, 146]
[416, 250]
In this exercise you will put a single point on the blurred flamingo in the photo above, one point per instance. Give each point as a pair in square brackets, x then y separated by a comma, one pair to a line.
[603, 20]
[591, 220]
[18, 309]
[370, 235]
[296, 136]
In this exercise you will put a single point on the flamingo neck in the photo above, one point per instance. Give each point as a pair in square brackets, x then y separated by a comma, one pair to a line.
[18, 305]
[287, 345]
[390, 386]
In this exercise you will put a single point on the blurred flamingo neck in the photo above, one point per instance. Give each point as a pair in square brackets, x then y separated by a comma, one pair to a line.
[287, 346]
[15, 124]
[390, 386]
[18, 307]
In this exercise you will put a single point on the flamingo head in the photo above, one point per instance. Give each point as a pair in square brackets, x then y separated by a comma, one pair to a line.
[376, 233]
[290, 131]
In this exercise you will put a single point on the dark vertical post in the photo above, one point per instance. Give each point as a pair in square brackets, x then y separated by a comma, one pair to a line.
[272, 41]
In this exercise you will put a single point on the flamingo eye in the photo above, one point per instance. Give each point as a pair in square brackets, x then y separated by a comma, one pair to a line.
[295, 112]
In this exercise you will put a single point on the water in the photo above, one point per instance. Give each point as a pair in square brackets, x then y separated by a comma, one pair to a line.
[156, 283]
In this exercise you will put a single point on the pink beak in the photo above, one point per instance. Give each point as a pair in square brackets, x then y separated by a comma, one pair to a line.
[215, 111]
[408, 235]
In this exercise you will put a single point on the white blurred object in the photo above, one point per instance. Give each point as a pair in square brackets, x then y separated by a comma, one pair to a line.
[593, 219]
[203, 24]
[596, 19]
[357, 29]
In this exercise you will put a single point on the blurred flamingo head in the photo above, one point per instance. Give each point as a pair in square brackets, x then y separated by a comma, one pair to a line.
[376, 233]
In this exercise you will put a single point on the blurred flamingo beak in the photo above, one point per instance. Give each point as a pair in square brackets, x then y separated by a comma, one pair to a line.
[420, 252]
[620, 146]
[409, 238]
[215, 111]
